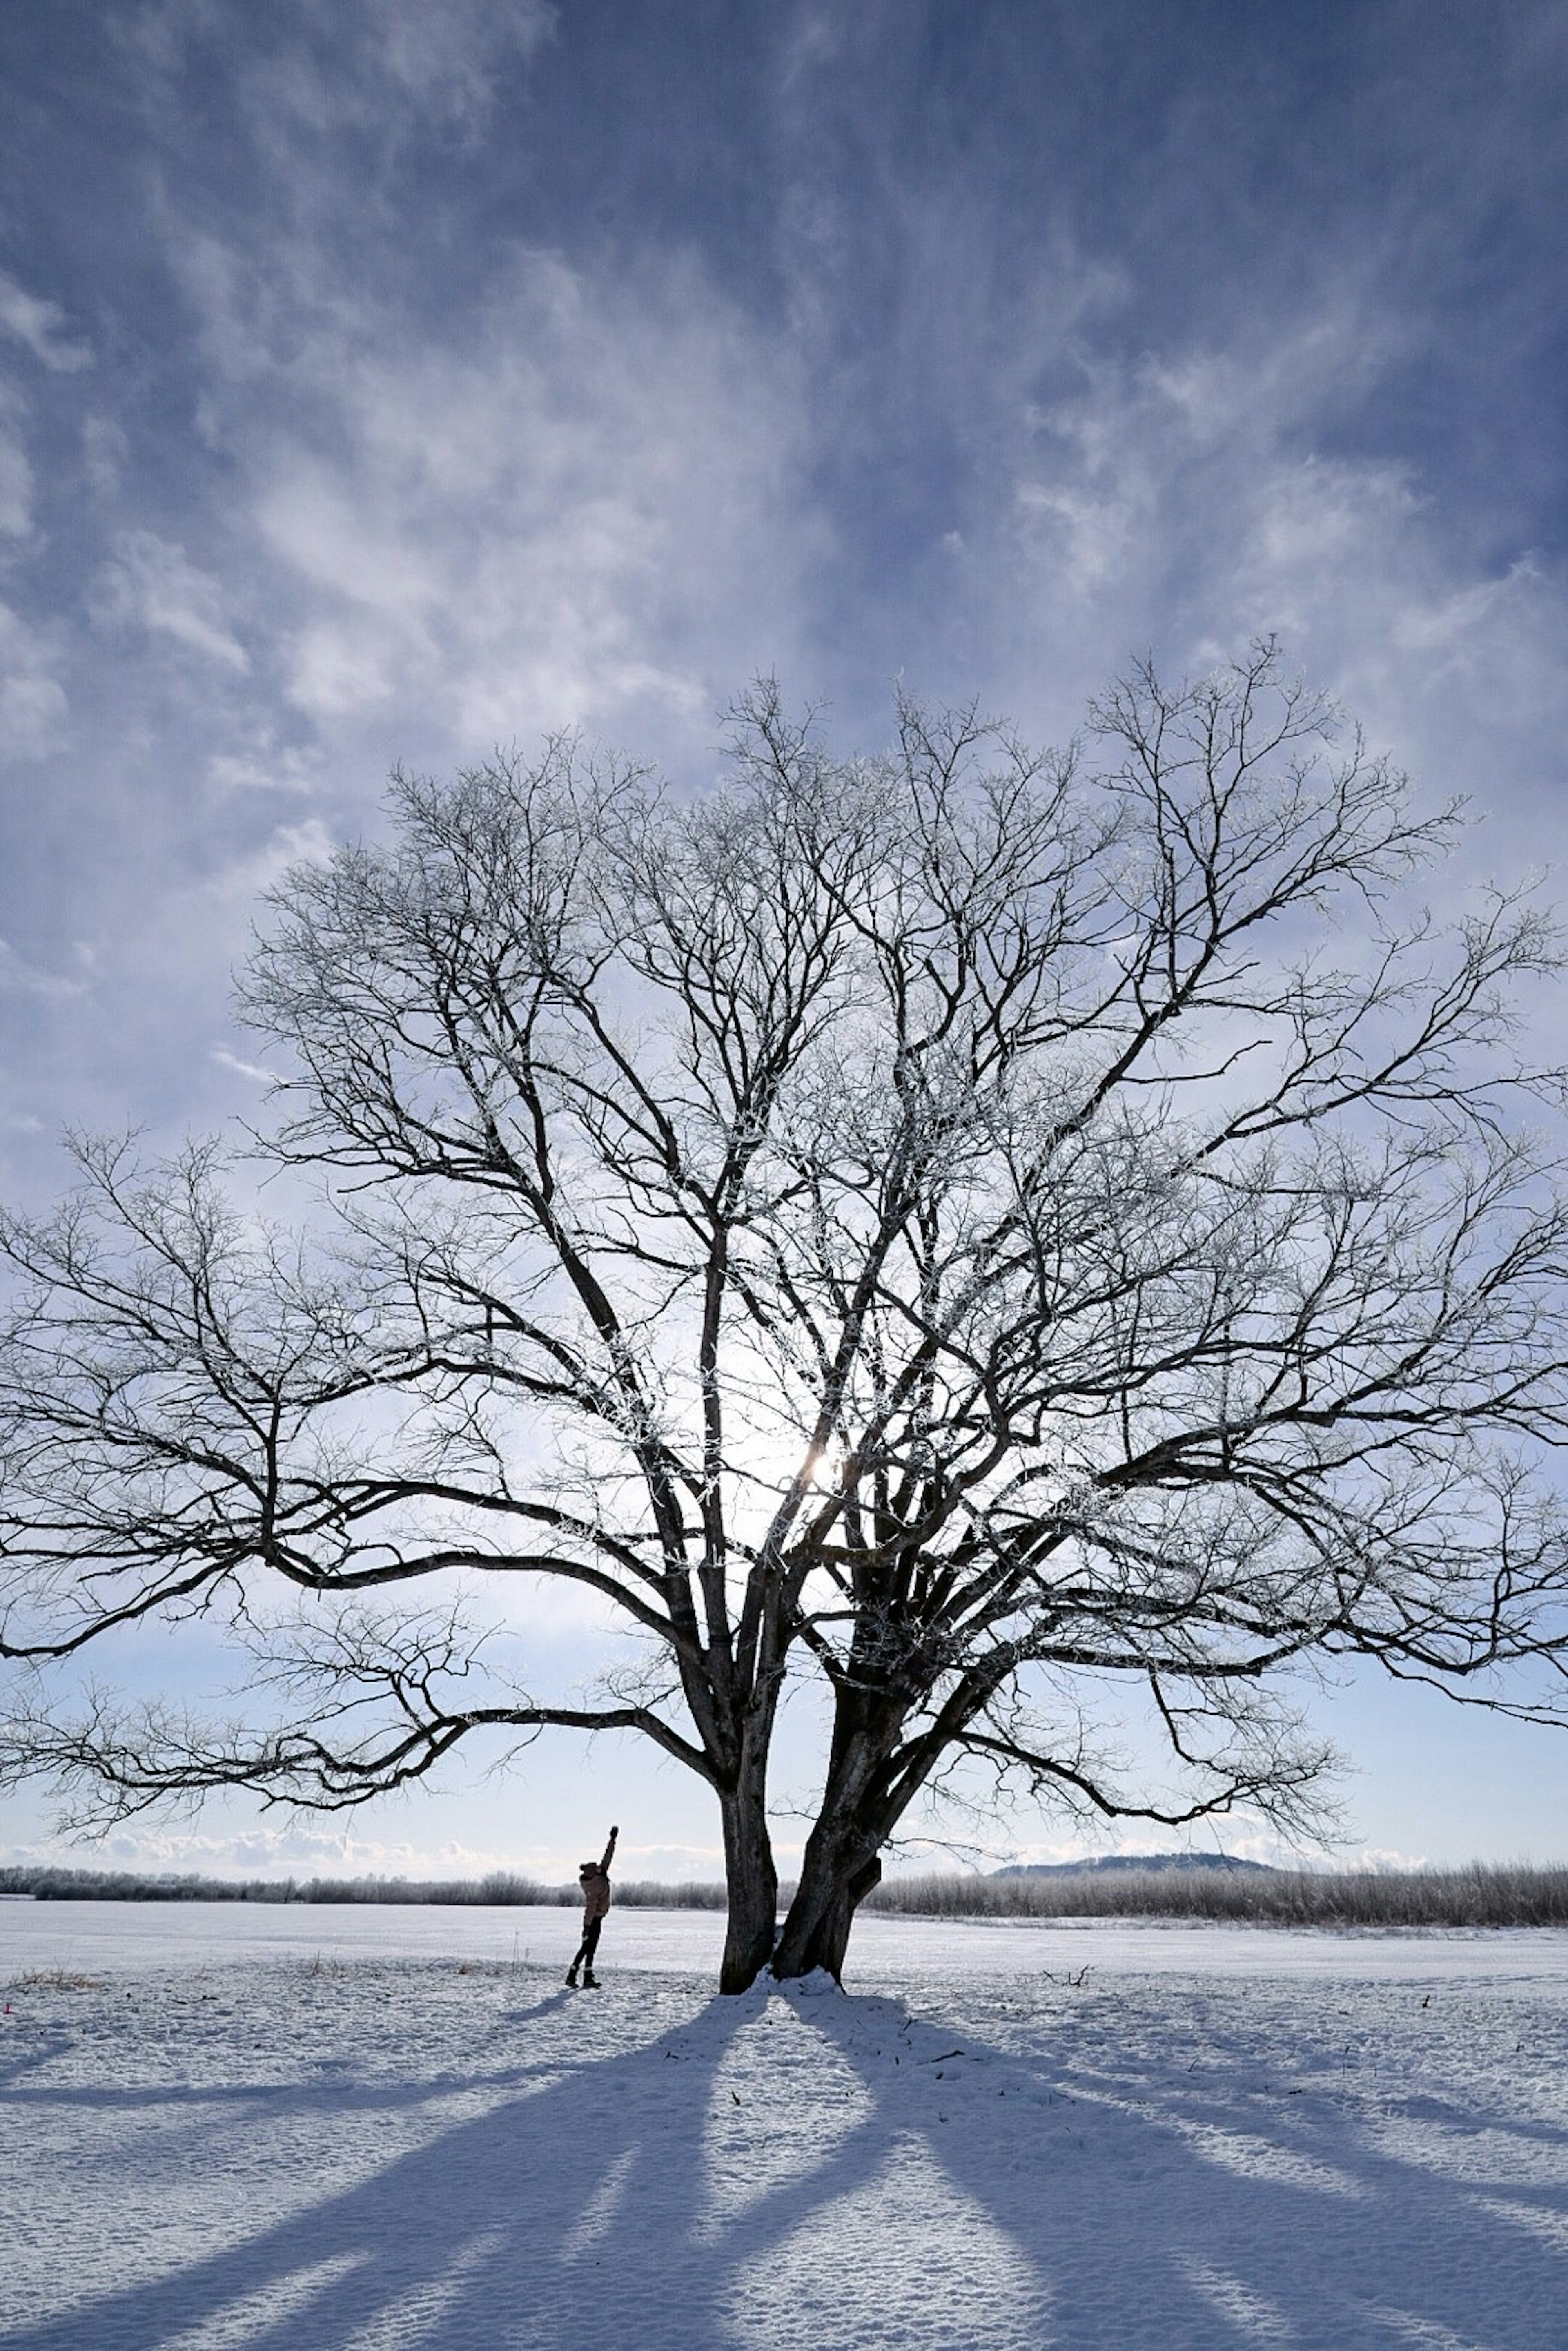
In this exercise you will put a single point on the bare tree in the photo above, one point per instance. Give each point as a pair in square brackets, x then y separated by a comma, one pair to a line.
[984, 1230]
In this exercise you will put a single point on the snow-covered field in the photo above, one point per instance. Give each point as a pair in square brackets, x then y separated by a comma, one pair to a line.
[362, 2130]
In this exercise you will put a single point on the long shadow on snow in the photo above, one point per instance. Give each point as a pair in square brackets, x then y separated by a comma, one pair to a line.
[1188, 2218]
[488, 2233]
[27, 2060]
[1151, 2212]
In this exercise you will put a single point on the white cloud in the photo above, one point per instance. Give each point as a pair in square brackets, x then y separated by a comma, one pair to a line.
[445, 52]
[1185, 502]
[251, 1070]
[19, 978]
[437, 57]
[1311, 517]
[15, 473]
[244, 881]
[299, 1846]
[32, 712]
[1095, 530]
[149, 582]
[576, 507]
[1503, 634]
[40, 326]
[32, 707]
[583, 497]
[263, 768]
[105, 450]
[1188, 471]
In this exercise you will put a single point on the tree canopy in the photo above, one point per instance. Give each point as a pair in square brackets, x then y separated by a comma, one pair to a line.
[987, 1229]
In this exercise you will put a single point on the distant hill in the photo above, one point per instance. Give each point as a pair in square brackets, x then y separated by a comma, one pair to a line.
[1126, 1864]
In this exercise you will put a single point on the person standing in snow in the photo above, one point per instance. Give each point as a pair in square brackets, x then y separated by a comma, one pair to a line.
[594, 1879]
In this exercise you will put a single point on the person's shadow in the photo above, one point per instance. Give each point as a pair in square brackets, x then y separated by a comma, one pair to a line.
[894, 2196]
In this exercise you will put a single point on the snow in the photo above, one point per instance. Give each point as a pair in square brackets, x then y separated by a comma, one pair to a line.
[360, 2129]
[91, 1935]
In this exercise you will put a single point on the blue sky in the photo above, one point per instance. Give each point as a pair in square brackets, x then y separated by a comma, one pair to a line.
[400, 378]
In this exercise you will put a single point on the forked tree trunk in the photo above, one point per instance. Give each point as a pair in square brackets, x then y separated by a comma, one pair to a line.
[752, 1884]
[834, 1883]
[841, 1862]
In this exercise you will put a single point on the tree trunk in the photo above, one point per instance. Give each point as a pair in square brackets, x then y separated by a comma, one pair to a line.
[754, 1886]
[841, 1865]
[834, 1881]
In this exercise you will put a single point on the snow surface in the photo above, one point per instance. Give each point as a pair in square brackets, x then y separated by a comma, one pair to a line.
[366, 2129]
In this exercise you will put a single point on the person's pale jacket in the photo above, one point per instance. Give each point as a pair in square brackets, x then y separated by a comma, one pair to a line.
[594, 1879]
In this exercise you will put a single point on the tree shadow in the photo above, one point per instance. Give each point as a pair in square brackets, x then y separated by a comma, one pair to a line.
[494, 2229]
[1198, 2214]
[25, 2061]
[893, 2194]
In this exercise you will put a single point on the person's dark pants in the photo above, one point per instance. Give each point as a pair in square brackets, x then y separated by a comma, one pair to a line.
[587, 1947]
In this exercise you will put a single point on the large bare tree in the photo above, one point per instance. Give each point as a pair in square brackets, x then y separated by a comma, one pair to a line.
[986, 1230]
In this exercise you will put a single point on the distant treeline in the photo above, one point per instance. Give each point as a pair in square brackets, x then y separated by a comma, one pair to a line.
[502, 1888]
[1482, 1895]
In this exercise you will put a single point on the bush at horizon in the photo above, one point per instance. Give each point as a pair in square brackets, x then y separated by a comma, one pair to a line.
[1480, 1893]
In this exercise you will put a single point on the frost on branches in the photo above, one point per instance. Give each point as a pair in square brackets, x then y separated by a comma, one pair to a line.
[1006, 1234]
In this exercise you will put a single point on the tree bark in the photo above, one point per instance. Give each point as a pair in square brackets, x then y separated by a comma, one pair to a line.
[834, 1883]
[752, 1884]
[841, 1862]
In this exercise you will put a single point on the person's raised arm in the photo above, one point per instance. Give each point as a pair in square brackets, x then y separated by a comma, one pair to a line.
[610, 1849]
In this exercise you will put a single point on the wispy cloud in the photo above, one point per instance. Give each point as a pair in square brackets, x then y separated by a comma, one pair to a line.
[241, 881]
[41, 327]
[347, 66]
[16, 471]
[589, 501]
[465, 369]
[19, 978]
[33, 705]
[106, 447]
[242, 1069]
[264, 766]
[149, 583]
